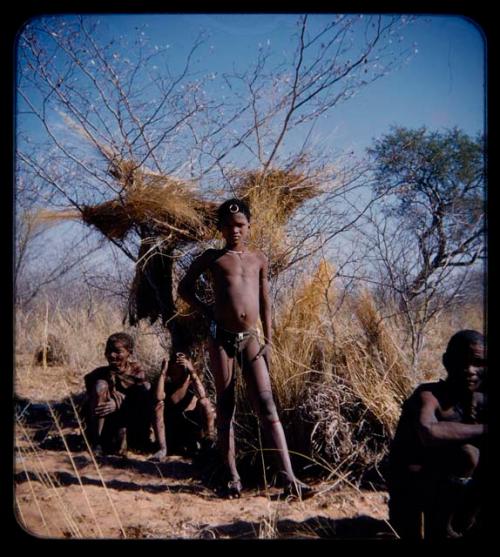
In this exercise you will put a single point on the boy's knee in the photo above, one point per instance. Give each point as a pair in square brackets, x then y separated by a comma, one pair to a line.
[101, 387]
[266, 406]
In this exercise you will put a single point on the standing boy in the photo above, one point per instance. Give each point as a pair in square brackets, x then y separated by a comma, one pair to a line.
[241, 290]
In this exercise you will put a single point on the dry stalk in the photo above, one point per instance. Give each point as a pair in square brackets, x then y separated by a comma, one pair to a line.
[115, 512]
[47, 481]
[75, 469]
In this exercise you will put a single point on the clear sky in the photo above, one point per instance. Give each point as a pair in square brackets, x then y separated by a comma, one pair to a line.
[441, 86]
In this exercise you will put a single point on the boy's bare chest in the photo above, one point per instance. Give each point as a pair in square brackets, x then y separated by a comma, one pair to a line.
[236, 266]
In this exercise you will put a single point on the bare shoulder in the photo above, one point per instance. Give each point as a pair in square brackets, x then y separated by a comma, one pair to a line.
[429, 395]
[209, 255]
[261, 257]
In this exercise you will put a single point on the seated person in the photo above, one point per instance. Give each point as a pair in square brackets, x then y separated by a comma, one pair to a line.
[437, 458]
[183, 413]
[118, 400]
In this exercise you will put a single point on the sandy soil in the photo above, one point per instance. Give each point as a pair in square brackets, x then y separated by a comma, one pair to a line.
[62, 492]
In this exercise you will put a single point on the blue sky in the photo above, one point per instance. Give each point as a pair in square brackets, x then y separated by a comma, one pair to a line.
[440, 87]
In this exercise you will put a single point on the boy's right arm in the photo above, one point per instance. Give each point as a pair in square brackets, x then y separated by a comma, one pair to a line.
[187, 286]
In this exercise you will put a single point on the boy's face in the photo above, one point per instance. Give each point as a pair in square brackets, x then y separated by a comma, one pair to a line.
[466, 366]
[117, 355]
[235, 228]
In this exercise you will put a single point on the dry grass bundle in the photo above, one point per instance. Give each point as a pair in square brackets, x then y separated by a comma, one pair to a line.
[282, 191]
[163, 204]
[301, 336]
[166, 206]
[48, 218]
[343, 437]
[273, 197]
[381, 344]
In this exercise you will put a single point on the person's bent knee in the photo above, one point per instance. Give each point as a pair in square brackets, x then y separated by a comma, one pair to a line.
[101, 387]
[468, 458]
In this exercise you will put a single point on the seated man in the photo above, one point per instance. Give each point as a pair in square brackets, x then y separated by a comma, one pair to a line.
[119, 400]
[183, 413]
[436, 464]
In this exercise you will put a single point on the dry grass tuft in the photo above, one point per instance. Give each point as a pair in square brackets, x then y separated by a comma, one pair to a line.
[51, 352]
[164, 204]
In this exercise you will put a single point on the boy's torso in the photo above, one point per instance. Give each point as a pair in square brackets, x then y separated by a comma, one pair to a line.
[236, 282]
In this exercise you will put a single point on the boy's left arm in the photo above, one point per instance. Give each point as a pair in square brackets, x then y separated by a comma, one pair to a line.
[265, 310]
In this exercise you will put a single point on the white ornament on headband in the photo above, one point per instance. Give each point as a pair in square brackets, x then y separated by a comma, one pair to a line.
[234, 208]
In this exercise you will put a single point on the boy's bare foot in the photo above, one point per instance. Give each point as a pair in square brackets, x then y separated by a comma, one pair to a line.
[298, 491]
[233, 489]
[159, 456]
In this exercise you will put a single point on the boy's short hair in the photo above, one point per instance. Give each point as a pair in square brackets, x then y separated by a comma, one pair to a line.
[124, 338]
[231, 207]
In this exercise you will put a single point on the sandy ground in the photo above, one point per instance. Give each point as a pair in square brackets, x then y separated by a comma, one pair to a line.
[68, 494]
[62, 492]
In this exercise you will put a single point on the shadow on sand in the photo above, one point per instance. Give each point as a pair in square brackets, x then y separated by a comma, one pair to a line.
[319, 527]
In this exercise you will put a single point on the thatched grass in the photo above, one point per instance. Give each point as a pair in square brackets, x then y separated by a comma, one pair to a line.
[273, 197]
[163, 204]
[167, 205]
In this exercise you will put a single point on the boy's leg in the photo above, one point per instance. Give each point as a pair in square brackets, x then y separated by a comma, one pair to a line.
[223, 370]
[159, 430]
[258, 386]
[207, 418]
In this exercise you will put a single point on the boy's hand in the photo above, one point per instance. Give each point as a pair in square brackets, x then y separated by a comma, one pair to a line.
[264, 352]
[184, 361]
[105, 408]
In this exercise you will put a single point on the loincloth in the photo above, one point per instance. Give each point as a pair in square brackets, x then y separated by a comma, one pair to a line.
[233, 343]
